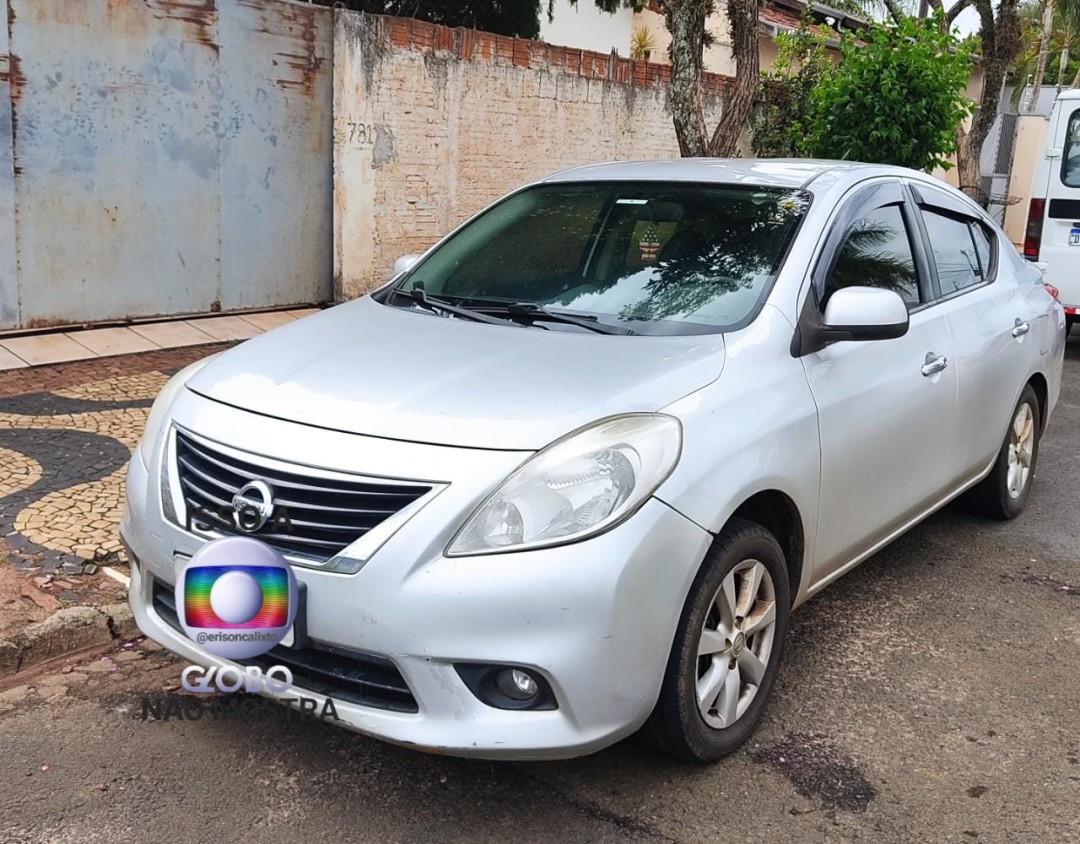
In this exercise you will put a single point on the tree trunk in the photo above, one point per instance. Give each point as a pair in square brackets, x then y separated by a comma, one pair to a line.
[1001, 40]
[1061, 68]
[743, 15]
[1044, 52]
[685, 21]
[968, 172]
[1076, 80]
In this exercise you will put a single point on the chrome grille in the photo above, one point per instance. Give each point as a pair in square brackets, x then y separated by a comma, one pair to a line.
[313, 517]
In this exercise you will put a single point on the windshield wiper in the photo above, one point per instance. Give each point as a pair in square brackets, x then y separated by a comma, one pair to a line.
[591, 323]
[418, 294]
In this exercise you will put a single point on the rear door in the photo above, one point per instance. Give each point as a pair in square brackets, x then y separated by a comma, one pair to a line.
[992, 326]
[887, 408]
[1061, 229]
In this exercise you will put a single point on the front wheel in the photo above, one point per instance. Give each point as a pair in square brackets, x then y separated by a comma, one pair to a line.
[1003, 493]
[727, 649]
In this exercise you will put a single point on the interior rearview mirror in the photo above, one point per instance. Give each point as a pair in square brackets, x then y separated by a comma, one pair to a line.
[404, 262]
[864, 313]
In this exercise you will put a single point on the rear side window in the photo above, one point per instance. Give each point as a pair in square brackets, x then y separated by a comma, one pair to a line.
[877, 253]
[956, 251]
[1070, 158]
[984, 248]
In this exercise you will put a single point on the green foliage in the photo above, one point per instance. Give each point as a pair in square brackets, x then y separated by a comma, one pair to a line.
[895, 97]
[609, 6]
[1064, 39]
[642, 43]
[786, 99]
[505, 17]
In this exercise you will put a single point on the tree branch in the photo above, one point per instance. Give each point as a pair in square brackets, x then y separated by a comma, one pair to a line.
[954, 12]
[896, 11]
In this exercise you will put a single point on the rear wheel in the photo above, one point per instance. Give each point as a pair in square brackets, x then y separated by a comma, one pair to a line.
[1003, 493]
[727, 649]
[1070, 321]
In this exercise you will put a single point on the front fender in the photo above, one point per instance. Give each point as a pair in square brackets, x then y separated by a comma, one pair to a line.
[753, 430]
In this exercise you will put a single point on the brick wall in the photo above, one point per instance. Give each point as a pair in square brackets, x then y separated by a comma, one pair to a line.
[431, 124]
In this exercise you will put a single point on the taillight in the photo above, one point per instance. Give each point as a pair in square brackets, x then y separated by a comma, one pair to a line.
[1053, 291]
[1033, 235]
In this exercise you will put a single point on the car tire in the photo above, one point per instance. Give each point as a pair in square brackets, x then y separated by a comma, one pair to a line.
[1003, 493]
[742, 583]
[1070, 321]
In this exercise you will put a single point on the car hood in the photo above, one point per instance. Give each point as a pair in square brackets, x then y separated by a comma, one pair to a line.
[366, 368]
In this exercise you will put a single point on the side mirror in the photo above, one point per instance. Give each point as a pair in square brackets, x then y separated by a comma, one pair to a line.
[864, 313]
[404, 262]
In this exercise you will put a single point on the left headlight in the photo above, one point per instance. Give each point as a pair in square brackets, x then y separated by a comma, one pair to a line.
[159, 412]
[579, 486]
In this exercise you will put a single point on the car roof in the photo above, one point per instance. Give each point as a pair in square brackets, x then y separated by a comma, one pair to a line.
[777, 172]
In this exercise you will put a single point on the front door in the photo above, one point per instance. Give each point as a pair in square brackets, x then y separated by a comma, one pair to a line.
[887, 408]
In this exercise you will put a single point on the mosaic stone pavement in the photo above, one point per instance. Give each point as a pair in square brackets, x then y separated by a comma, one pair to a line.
[66, 434]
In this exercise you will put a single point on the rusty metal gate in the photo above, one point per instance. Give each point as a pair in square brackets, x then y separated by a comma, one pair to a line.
[163, 157]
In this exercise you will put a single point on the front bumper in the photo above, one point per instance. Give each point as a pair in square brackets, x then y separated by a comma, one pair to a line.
[595, 618]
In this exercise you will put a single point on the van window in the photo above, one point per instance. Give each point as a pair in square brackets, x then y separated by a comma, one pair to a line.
[1070, 159]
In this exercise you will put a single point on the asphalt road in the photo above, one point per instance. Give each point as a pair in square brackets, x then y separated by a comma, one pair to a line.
[932, 695]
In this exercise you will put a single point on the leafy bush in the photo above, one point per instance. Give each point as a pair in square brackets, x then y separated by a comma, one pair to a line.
[785, 107]
[895, 97]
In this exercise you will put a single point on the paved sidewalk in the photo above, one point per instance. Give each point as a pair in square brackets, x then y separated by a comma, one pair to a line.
[18, 351]
[66, 433]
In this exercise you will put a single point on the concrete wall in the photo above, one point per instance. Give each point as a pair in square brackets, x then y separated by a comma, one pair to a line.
[432, 124]
[586, 27]
[162, 157]
[1031, 132]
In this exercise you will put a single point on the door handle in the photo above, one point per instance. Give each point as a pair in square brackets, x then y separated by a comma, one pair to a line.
[1021, 328]
[934, 364]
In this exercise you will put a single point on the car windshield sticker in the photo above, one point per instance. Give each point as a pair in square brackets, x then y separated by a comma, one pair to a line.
[649, 245]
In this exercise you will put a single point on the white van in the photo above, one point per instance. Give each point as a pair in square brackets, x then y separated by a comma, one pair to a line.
[1053, 228]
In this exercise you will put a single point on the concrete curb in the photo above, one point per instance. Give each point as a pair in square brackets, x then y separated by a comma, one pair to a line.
[65, 633]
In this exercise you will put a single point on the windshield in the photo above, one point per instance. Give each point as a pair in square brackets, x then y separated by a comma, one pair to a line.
[656, 258]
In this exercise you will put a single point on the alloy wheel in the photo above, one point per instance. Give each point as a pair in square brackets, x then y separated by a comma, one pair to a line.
[1021, 450]
[736, 643]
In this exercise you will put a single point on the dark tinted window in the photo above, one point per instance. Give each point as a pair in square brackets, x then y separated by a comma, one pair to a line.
[658, 257]
[984, 248]
[877, 253]
[955, 256]
[547, 242]
[1070, 159]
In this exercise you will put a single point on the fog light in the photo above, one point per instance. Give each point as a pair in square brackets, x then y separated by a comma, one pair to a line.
[507, 686]
[516, 684]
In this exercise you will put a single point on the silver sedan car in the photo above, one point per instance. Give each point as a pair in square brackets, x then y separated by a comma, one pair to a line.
[565, 477]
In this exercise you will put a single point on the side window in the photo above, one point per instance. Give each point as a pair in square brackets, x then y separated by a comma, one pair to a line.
[876, 252]
[952, 242]
[984, 248]
[1070, 157]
